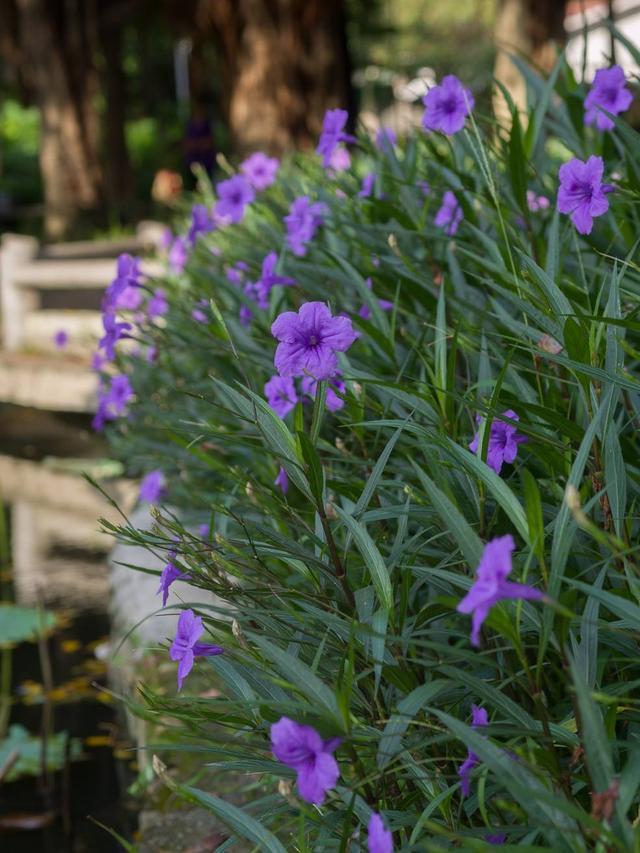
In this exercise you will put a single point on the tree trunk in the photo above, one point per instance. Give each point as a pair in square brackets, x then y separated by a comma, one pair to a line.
[284, 62]
[57, 38]
[116, 156]
[533, 29]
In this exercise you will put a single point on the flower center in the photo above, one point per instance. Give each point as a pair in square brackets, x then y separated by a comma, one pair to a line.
[313, 341]
[450, 105]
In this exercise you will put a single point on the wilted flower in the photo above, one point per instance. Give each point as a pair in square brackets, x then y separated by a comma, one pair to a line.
[608, 93]
[503, 441]
[170, 573]
[309, 386]
[260, 170]
[281, 395]
[479, 719]
[282, 480]
[234, 195]
[332, 134]
[302, 221]
[379, 839]
[582, 193]
[186, 647]
[450, 214]
[61, 339]
[368, 183]
[157, 304]
[550, 345]
[153, 487]
[303, 749]
[269, 279]
[491, 584]
[447, 106]
[309, 341]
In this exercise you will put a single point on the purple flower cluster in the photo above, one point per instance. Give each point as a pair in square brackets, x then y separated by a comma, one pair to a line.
[309, 341]
[302, 222]
[234, 195]
[503, 441]
[260, 170]
[185, 647]
[282, 396]
[582, 194]
[303, 749]
[479, 719]
[112, 400]
[332, 135]
[491, 584]
[450, 214]
[608, 94]
[447, 106]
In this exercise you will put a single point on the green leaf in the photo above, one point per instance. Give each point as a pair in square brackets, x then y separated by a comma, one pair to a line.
[29, 750]
[299, 674]
[376, 566]
[391, 741]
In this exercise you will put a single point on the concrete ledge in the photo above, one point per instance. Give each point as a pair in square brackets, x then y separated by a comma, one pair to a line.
[60, 385]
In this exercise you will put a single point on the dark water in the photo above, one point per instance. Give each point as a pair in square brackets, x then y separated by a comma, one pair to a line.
[59, 562]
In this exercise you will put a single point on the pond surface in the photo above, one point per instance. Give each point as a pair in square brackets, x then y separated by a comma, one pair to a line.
[58, 563]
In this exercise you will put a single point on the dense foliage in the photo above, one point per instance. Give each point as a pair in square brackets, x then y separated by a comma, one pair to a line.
[335, 602]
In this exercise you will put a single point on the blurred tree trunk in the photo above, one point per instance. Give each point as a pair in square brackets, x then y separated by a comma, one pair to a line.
[116, 155]
[533, 29]
[57, 38]
[284, 62]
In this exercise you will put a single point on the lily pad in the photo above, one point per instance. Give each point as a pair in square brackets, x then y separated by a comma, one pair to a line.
[29, 750]
[18, 624]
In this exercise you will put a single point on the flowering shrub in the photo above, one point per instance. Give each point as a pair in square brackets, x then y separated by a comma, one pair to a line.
[389, 418]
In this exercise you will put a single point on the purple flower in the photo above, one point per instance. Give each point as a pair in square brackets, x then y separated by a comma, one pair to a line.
[503, 441]
[385, 136]
[113, 332]
[608, 93]
[170, 573]
[450, 214]
[153, 487]
[235, 273]
[186, 647]
[332, 134]
[479, 719]
[61, 339]
[424, 187]
[268, 280]
[234, 195]
[581, 193]
[157, 304]
[201, 223]
[368, 183]
[281, 395]
[303, 749]
[178, 255]
[309, 341]
[340, 159]
[260, 170]
[385, 305]
[127, 275]
[302, 221]
[245, 315]
[166, 240]
[334, 403]
[98, 361]
[491, 584]
[282, 480]
[198, 314]
[129, 299]
[112, 402]
[498, 838]
[447, 105]
[379, 838]
[535, 202]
